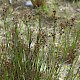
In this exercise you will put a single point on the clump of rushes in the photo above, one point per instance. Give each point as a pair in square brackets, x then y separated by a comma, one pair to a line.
[6, 64]
[17, 51]
[71, 56]
[7, 69]
[65, 28]
[20, 60]
[5, 13]
[5, 9]
[37, 50]
[55, 24]
[68, 23]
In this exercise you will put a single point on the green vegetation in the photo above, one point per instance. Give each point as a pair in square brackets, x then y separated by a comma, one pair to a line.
[72, 0]
[38, 44]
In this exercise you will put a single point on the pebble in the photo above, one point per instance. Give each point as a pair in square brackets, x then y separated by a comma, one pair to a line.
[28, 3]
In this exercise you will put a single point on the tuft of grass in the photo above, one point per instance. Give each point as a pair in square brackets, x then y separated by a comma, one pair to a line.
[21, 60]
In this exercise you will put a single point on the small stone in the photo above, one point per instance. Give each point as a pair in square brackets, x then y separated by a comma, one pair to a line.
[28, 3]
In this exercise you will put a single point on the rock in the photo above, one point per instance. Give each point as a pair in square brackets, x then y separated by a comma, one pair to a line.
[78, 10]
[28, 3]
